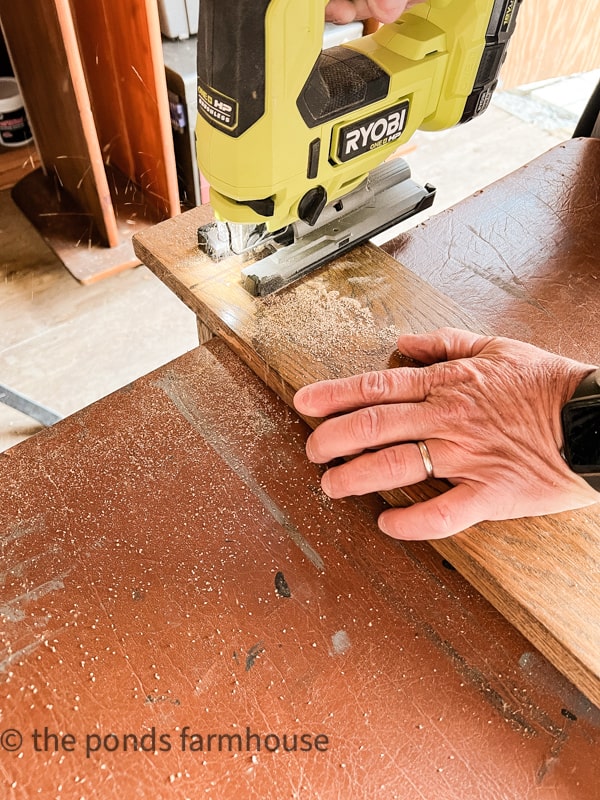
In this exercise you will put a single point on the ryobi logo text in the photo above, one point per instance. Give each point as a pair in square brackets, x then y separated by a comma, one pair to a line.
[371, 132]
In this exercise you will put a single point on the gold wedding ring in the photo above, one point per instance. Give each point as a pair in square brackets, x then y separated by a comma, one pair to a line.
[425, 455]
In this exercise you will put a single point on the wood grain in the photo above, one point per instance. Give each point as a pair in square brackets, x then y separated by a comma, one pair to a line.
[92, 76]
[15, 163]
[522, 254]
[43, 45]
[122, 53]
[541, 574]
[70, 232]
[552, 39]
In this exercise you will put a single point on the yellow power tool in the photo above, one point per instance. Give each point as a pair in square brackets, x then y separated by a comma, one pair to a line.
[293, 139]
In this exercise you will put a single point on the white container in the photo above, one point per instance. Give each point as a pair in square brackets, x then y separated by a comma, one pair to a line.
[14, 128]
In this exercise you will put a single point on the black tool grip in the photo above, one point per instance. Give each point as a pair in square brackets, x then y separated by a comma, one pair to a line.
[500, 28]
[232, 63]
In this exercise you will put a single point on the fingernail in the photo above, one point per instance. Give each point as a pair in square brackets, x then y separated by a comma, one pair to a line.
[326, 484]
[300, 396]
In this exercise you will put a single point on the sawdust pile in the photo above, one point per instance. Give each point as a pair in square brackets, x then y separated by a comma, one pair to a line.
[320, 322]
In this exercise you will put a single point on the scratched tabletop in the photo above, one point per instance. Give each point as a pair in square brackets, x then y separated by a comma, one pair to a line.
[183, 614]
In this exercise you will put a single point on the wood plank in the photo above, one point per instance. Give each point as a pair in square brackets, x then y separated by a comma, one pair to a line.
[551, 41]
[143, 569]
[70, 232]
[16, 163]
[44, 51]
[122, 52]
[344, 319]
[522, 255]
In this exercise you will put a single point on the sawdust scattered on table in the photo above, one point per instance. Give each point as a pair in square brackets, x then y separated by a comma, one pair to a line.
[323, 323]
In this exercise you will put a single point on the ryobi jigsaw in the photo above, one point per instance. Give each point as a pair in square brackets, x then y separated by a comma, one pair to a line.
[294, 139]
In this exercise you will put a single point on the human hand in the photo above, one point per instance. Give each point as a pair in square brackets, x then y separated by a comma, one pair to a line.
[488, 409]
[343, 11]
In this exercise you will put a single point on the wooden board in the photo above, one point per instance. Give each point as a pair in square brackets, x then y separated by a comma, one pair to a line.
[70, 231]
[552, 39]
[93, 81]
[45, 54]
[122, 53]
[294, 338]
[143, 589]
[522, 256]
[16, 163]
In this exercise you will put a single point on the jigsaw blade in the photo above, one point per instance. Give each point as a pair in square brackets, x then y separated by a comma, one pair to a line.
[387, 197]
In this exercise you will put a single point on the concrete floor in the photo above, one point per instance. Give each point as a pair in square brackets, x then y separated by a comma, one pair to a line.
[66, 345]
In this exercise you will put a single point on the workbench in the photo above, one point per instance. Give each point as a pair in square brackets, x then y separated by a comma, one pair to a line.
[171, 569]
[519, 258]
[185, 614]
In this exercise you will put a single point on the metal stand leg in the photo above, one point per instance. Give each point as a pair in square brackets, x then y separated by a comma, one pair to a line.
[589, 123]
[26, 406]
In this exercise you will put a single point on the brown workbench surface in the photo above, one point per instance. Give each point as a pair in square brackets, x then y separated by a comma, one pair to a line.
[171, 569]
[541, 573]
[523, 256]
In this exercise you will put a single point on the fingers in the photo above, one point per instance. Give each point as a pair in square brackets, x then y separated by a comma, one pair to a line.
[380, 471]
[445, 344]
[321, 399]
[387, 10]
[387, 406]
[343, 11]
[406, 385]
[442, 516]
[488, 406]
[370, 428]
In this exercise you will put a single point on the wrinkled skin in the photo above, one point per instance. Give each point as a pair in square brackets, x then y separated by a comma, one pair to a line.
[488, 409]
